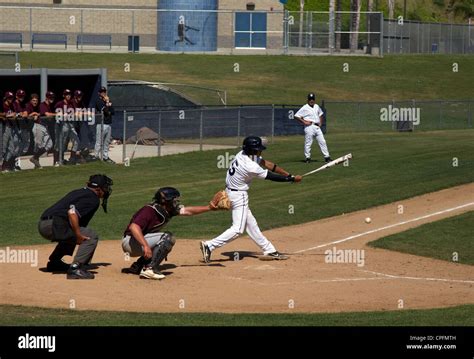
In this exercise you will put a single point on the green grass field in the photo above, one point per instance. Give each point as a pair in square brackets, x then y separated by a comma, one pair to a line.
[397, 165]
[17, 315]
[436, 240]
[284, 79]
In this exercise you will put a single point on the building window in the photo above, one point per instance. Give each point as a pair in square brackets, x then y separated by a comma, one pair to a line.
[251, 29]
[250, 6]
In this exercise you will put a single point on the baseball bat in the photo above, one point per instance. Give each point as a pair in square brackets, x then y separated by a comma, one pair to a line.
[330, 164]
[134, 149]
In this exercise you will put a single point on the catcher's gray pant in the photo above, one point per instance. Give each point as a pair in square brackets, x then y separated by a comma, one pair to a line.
[42, 138]
[242, 220]
[310, 132]
[64, 133]
[65, 247]
[131, 246]
[11, 143]
[102, 140]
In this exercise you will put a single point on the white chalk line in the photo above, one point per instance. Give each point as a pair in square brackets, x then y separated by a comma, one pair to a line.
[418, 278]
[386, 227]
[305, 281]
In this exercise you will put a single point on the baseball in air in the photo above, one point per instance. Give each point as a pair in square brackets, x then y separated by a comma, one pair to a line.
[368, 220]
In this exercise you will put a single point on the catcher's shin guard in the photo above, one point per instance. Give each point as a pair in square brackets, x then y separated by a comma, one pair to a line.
[161, 250]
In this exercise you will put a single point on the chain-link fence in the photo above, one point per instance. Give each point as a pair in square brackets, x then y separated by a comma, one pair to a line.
[156, 133]
[412, 37]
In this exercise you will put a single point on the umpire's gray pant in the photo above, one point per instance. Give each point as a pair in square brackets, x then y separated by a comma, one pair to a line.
[85, 251]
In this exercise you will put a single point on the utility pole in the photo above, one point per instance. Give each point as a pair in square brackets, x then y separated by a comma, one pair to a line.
[300, 38]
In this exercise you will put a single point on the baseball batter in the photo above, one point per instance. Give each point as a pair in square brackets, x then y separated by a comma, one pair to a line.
[247, 165]
[311, 116]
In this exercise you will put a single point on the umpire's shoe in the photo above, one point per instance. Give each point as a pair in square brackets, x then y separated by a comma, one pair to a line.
[57, 266]
[206, 253]
[76, 272]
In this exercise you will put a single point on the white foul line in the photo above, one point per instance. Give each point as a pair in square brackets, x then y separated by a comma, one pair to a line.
[419, 278]
[386, 227]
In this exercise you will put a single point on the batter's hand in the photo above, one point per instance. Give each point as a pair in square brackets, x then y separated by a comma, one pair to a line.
[147, 252]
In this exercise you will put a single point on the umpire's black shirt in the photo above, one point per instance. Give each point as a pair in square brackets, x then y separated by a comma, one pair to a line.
[85, 202]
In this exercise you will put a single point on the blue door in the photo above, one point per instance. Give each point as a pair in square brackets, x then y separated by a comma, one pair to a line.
[251, 29]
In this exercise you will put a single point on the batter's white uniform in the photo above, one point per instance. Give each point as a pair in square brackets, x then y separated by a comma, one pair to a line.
[312, 114]
[239, 176]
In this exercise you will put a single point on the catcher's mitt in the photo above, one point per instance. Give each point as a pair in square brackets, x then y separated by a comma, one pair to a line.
[220, 201]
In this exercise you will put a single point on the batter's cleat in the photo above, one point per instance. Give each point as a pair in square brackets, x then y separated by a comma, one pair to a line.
[35, 162]
[206, 253]
[76, 272]
[327, 159]
[57, 266]
[273, 256]
[149, 273]
[307, 160]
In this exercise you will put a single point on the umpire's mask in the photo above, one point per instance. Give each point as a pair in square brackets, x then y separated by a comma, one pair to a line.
[105, 184]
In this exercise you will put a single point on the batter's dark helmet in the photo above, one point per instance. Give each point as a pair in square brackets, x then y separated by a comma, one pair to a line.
[105, 184]
[50, 95]
[66, 92]
[311, 96]
[77, 93]
[20, 93]
[253, 144]
[169, 197]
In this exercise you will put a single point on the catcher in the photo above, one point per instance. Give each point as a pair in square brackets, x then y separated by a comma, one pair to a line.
[144, 236]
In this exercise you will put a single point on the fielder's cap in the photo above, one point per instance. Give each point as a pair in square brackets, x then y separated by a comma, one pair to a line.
[20, 93]
[311, 96]
[66, 92]
[102, 89]
[77, 93]
[8, 94]
[50, 95]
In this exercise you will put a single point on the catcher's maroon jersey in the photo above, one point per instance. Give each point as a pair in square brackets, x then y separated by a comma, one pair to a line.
[151, 218]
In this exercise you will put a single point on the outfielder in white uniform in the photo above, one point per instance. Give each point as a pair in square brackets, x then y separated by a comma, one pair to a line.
[311, 116]
[247, 165]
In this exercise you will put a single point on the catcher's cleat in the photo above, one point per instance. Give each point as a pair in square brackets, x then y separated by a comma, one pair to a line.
[206, 253]
[273, 256]
[149, 273]
[57, 266]
[136, 267]
[76, 272]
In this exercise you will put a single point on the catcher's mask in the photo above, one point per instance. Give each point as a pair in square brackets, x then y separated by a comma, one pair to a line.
[169, 198]
[252, 145]
[105, 184]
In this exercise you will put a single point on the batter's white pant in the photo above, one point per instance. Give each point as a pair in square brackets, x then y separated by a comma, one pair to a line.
[102, 140]
[242, 220]
[131, 246]
[310, 132]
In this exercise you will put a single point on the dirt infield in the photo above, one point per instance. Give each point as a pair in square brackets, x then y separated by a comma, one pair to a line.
[304, 283]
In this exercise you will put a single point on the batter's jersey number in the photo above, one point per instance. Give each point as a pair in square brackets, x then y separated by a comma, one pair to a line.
[232, 167]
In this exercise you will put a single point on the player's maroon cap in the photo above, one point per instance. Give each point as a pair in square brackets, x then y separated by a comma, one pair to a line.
[20, 93]
[77, 93]
[66, 92]
[50, 95]
[8, 94]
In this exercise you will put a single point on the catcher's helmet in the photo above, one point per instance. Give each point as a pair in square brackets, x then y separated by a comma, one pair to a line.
[169, 197]
[67, 92]
[8, 94]
[105, 184]
[77, 93]
[311, 96]
[50, 95]
[20, 93]
[253, 144]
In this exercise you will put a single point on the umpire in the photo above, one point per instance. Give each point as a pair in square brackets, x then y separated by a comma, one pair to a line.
[66, 223]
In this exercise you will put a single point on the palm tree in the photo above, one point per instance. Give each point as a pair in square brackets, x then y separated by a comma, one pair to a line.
[355, 22]
[338, 24]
